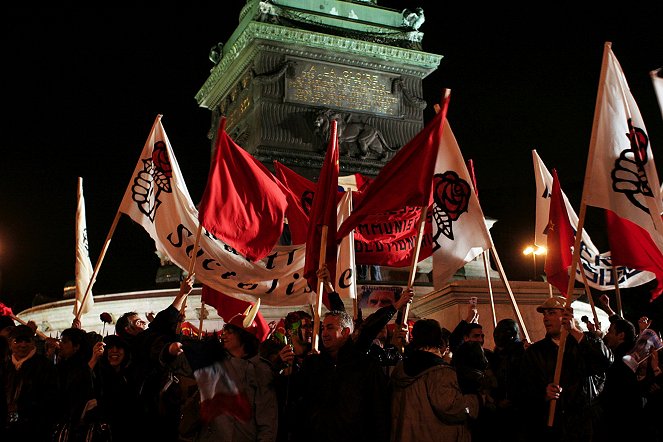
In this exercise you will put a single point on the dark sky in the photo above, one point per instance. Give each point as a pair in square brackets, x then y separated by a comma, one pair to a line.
[83, 86]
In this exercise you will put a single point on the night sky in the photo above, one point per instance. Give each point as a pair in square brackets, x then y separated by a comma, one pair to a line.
[83, 86]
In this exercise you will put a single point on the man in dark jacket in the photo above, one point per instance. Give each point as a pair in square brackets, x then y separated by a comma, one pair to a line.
[150, 347]
[586, 359]
[31, 384]
[344, 390]
[622, 399]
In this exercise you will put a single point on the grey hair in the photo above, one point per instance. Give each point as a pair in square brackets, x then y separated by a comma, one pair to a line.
[344, 320]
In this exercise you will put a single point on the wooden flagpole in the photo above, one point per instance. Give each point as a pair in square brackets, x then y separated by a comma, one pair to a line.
[484, 254]
[581, 223]
[192, 267]
[617, 293]
[321, 288]
[590, 298]
[99, 261]
[415, 260]
[486, 267]
[500, 269]
[107, 242]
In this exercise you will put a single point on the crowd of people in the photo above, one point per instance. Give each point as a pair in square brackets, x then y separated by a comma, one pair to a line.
[371, 379]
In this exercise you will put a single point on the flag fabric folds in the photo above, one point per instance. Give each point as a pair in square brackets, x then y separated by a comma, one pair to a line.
[632, 244]
[219, 378]
[243, 204]
[83, 265]
[406, 180]
[560, 240]
[158, 200]
[460, 233]
[299, 193]
[385, 239]
[227, 307]
[323, 213]
[623, 176]
[596, 266]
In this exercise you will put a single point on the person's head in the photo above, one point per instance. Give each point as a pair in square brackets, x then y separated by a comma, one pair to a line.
[552, 309]
[474, 333]
[299, 327]
[130, 324]
[381, 297]
[239, 342]
[116, 352]
[337, 326]
[620, 331]
[72, 341]
[6, 326]
[470, 354]
[506, 331]
[427, 334]
[21, 341]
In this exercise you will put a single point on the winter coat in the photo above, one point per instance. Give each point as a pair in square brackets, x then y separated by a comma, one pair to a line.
[582, 378]
[427, 403]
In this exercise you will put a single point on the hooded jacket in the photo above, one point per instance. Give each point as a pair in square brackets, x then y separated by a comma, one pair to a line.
[427, 403]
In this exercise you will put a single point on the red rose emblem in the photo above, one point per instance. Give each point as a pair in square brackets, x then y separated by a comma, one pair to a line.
[160, 159]
[452, 194]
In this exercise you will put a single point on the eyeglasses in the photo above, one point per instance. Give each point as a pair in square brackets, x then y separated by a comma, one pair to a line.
[138, 322]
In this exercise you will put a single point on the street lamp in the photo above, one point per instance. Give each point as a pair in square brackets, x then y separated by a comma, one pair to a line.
[534, 250]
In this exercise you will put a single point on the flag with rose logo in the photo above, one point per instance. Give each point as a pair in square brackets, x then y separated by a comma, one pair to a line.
[430, 171]
[460, 233]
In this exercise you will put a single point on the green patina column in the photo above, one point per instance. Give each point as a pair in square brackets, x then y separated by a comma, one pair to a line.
[291, 66]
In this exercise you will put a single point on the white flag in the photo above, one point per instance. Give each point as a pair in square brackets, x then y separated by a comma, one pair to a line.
[83, 264]
[158, 200]
[346, 286]
[460, 233]
[623, 177]
[597, 266]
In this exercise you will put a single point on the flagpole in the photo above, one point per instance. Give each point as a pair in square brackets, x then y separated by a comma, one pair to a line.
[485, 256]
[590, 298]
[581, 222]
[617, 293]
[508, 289]
[99, 261]
[415, 260]
[192, 266]
[107, 241]
[486, 261]
[321, 287]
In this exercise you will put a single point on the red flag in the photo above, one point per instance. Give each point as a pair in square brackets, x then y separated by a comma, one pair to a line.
[227, 307]
[406, 180]
[299, 193]
[243, 204]
[632, 246]
[560, 239]
[385, 239]
[323, 213]
[5, 311]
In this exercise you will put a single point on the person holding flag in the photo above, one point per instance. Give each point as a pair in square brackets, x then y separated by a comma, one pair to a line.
[586, 360]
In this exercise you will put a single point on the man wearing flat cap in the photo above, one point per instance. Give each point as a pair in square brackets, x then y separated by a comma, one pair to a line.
[586, 359]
